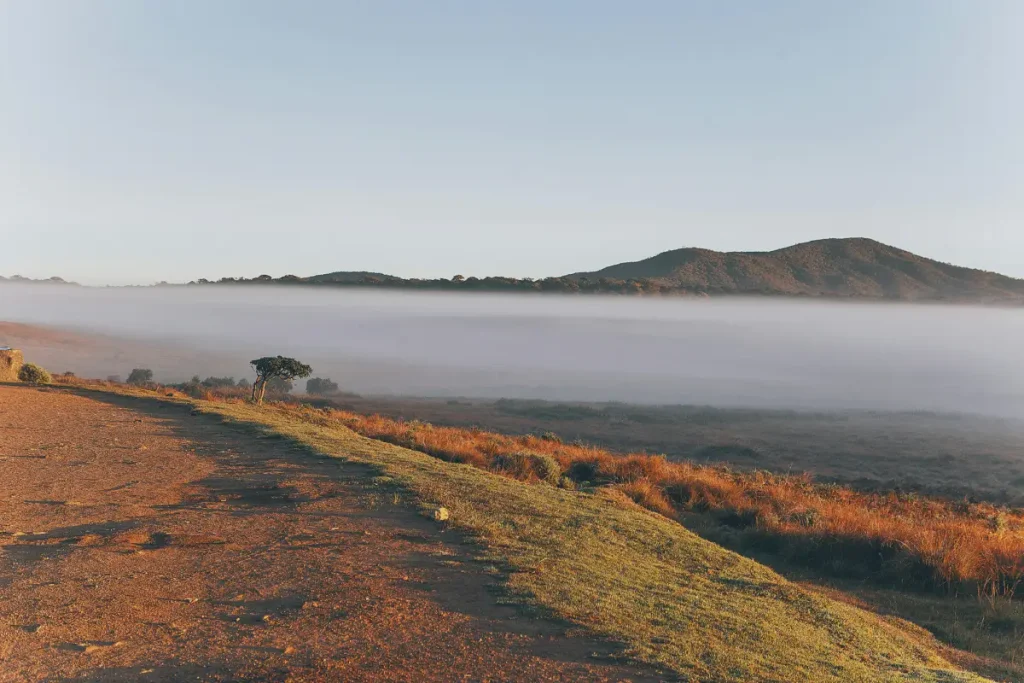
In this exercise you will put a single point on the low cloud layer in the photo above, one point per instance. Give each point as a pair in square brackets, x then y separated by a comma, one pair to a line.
[760, 353]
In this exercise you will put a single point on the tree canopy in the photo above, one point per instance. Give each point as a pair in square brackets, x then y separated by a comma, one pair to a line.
[140, 376]
[279, 367]
[321, 386]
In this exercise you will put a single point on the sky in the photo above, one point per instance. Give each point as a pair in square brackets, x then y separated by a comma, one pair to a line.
[170, 141]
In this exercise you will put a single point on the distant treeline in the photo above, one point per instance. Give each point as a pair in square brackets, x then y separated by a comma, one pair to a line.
[564, 285]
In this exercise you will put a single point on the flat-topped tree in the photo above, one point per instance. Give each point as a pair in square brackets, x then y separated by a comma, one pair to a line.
[281, 367]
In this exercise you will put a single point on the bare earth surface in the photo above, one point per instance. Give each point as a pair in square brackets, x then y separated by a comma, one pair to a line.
[139, 542]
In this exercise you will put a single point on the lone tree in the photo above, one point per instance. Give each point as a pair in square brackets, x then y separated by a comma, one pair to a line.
[321, 386]
[280, 367]
[140, 376]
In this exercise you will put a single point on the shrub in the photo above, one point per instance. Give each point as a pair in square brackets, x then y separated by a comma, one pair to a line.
[321, 386]
[140, 376]
[648, 495]
[114, 378]
[546, 468]
[214, 382]
[527, 466]
[32, 373]
[280, 385]
[582, 471]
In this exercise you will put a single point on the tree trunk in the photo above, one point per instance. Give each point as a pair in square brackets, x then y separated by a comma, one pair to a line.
[259, 389]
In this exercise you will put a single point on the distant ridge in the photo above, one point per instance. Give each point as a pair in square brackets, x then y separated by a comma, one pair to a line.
[48, 281]
[852, 267]
[847, 268]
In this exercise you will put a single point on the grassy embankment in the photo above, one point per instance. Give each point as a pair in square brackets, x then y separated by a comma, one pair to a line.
[595, 558]
[905, 540]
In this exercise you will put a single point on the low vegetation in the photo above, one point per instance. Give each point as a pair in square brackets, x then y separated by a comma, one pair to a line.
[321, 386]
[32, 373]
[905, 540]
[140, 376]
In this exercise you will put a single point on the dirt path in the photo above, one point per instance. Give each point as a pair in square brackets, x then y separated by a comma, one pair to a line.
[139, 542]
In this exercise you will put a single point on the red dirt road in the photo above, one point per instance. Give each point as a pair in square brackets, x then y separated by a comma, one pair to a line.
[141, 543]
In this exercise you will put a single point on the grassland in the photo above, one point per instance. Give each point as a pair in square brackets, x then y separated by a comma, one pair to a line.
[596, 559]
[919, 543]
[954, 456]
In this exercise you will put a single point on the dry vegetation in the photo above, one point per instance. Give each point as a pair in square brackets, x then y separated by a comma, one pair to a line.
[932, 454]
[903, 539]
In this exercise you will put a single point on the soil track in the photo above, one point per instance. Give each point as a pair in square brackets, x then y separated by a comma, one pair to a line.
[139, 542]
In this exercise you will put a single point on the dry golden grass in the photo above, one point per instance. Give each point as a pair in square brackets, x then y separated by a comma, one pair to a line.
[915, 541]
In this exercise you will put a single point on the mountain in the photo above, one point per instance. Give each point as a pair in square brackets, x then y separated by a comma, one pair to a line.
[853, 267]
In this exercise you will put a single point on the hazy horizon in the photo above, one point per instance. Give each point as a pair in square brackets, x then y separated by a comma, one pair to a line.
[750, 353]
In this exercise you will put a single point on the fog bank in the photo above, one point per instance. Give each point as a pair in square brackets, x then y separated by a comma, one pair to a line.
[724, 352]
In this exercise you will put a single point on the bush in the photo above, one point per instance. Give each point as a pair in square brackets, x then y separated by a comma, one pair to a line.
[34, 374]
[526, 465]
[215, 382]
[321, 386]
[582, 471]
[279, 385]
[140, 376]
[547, 468]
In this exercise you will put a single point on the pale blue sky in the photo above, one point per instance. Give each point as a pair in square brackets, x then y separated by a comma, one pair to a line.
[144, 141]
